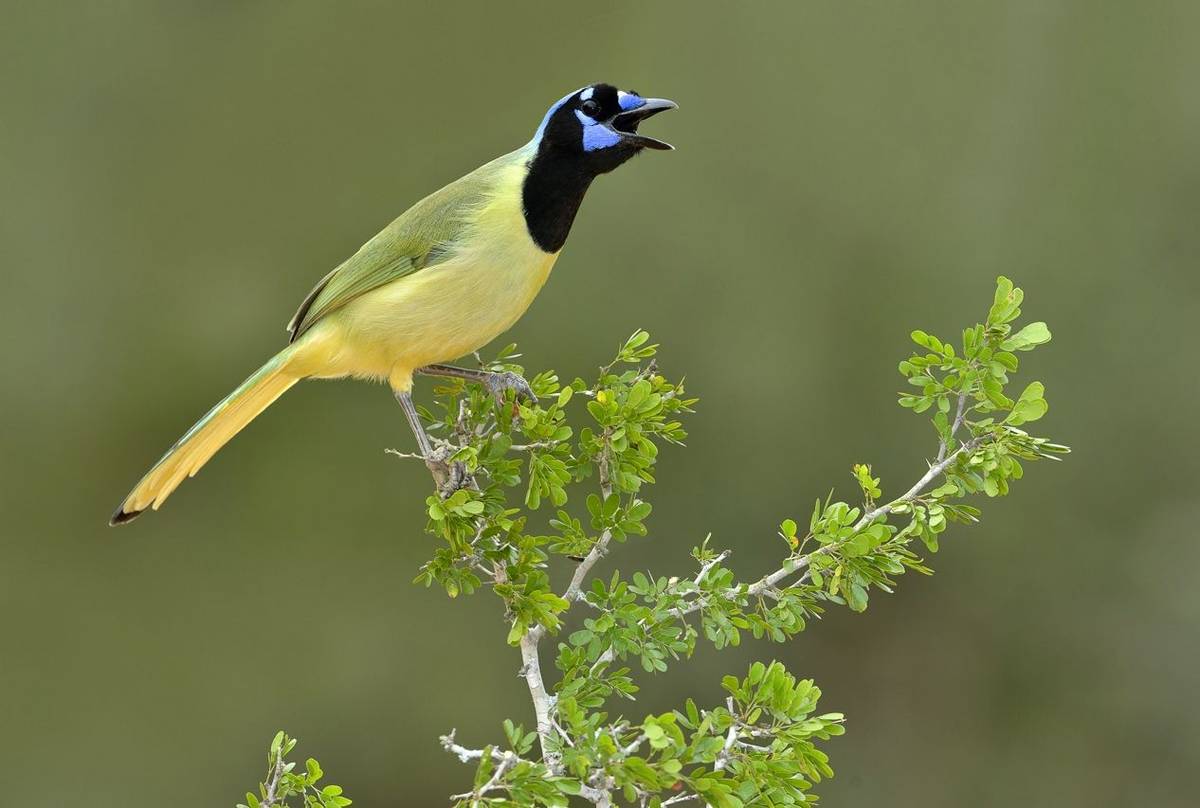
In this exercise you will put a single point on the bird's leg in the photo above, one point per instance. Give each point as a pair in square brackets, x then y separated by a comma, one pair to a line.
[496, 382]
[449, 477]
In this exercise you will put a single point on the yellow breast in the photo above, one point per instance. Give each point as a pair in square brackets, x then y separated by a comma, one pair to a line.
[447, 310]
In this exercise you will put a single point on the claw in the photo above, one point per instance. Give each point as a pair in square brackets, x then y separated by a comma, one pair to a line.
[497, 383]
[449, 476]
[456, 478]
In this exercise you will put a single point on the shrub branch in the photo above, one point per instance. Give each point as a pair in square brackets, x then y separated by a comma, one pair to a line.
[762, 745]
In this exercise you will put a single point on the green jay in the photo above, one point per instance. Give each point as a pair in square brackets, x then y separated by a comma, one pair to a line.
[450, 274]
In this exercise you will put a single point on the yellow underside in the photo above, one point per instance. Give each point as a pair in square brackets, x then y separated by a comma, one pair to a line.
[437, 314]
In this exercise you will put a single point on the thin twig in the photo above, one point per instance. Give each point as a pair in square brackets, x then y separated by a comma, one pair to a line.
[632, 747]
[600, 548]
[920, 485]
[709, 565]
[464, 754]
[507, 761]
[529, 447]
[405, 455]
[269, 800]
[730, 738]
[562, 732]
[574, 590]
[768, 582]
[755, 747]
[958, 420]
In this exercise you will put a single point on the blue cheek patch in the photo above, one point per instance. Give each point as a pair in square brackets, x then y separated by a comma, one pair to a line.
[596, 137]
[599, 137]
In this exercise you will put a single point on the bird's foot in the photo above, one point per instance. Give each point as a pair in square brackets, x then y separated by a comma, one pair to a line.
[499, 381]
[448, 475]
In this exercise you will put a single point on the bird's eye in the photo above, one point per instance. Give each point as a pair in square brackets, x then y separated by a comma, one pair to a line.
[591, 109]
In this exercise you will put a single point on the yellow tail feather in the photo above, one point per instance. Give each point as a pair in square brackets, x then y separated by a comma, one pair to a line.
[208, 435]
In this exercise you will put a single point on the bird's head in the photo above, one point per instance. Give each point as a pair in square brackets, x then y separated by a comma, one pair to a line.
[597, 127]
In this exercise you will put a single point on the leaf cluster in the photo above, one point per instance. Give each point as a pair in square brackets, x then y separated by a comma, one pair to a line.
[284, 782]
[557, 482]
[629, 410]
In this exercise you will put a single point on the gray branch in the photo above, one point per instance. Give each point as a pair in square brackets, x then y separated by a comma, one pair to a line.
[464, 754]
[768, 582]
[270, 799]
[730, 738]
[791, 565]
[507, 761]
[531, 668]
[597, 789]
[600, 548]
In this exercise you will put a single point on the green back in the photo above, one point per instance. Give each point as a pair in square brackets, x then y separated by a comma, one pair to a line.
[421, 237]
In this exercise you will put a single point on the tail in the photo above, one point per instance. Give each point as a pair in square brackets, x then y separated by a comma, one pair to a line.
[208, 435]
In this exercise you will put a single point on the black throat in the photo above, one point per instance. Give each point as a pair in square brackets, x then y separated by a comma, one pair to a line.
[552, 193]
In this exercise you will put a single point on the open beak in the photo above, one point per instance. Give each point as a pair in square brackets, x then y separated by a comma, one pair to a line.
[626, 123]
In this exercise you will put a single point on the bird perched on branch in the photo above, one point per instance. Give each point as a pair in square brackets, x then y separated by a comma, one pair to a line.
[453, 272]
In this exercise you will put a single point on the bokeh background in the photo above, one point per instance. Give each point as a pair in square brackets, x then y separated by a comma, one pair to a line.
[174, 177]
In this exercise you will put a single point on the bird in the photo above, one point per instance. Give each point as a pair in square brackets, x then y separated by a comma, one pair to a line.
[446, 277]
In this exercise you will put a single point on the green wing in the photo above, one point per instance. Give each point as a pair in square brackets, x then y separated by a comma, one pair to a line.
[418, 239]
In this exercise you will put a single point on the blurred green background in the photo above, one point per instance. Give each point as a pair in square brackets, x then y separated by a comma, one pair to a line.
[174, 177]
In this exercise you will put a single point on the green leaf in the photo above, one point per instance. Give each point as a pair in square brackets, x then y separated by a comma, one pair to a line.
[1027, 338]
[856, 597]
[859, 545]
[1006, 306]
[567, 786]
[1030, 406]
